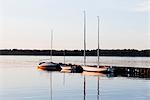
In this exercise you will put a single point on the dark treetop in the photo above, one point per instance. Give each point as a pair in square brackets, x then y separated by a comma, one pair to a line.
[117, 52]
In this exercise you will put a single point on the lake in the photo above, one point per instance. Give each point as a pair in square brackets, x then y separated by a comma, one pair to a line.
[21, 80]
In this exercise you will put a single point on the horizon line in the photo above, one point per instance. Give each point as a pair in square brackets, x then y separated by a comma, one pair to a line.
[74, 49]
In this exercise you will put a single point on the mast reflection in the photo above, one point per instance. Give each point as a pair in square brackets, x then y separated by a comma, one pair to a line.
[51, 86]
[97, 75]
[98, 88]
[84, 88]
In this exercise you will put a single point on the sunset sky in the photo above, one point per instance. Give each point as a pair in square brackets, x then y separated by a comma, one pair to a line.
[26, 24]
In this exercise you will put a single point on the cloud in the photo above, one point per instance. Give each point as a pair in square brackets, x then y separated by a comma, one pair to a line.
[142, 7]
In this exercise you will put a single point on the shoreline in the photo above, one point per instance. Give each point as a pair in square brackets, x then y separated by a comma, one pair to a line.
[117, 52]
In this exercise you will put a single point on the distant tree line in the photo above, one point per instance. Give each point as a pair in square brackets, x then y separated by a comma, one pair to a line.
[117, 52]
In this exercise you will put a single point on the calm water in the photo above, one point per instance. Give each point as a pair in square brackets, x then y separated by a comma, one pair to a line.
[20, 80]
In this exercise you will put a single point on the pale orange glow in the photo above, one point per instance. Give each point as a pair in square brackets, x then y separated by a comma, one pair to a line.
[41, 68]
[93, 74]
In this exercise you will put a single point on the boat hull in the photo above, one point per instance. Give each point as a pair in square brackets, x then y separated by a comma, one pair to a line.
[66, 67]
[94, 69]
[86, 73]
[49, 66]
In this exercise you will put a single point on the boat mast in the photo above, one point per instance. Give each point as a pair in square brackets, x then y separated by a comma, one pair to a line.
[84, 52]
[51, 53]
[84, 38]
[98, 42]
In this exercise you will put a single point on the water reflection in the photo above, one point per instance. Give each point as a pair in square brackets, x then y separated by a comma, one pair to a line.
[84, 88]
[85, 82]
[64, 79]
[51, 86]
[98, 88]
[95, 74]
[116, 71]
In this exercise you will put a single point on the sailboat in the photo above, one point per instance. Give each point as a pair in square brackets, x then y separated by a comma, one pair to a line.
[91, 68]
[49, 65]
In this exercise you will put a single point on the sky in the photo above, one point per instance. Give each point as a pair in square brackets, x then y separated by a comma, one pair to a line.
[27, 24]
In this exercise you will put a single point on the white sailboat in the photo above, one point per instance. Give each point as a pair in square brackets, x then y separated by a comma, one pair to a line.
[51, 66]
[91, 68]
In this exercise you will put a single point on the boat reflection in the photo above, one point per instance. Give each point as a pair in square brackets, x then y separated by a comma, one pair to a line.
[95, 74]
[65, 71]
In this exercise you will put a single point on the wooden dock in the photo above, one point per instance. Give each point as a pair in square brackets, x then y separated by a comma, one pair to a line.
[140, 72]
